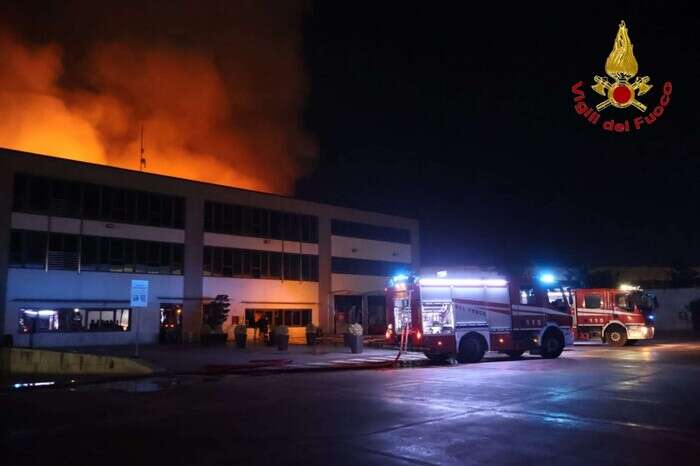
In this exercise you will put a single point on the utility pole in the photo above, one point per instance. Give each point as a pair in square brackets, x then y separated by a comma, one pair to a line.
[142, 157]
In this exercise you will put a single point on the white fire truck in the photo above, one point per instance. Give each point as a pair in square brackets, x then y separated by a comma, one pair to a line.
[462, 318]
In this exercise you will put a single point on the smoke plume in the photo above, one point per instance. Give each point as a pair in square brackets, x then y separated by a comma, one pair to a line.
[219, 90]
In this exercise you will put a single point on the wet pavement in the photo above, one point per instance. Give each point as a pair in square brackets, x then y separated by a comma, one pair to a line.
[594, 405]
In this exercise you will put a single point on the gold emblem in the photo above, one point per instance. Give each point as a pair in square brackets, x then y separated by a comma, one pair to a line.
[621, 66]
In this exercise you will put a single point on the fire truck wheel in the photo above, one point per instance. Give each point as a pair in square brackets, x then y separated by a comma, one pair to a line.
[514, 354]
[552, 344]
[471, 349]
[616, 336]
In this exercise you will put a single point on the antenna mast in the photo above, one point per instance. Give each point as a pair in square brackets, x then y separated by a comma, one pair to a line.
[142, 157]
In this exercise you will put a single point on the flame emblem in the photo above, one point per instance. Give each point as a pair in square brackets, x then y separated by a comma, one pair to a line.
[621, 66]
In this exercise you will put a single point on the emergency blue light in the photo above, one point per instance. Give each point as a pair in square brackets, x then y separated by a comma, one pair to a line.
[547, 278]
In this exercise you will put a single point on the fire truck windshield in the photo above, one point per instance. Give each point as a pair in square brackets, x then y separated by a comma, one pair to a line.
[646, 302]
[438, 318]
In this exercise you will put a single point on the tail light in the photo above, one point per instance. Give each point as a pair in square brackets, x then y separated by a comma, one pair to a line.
[418, 335]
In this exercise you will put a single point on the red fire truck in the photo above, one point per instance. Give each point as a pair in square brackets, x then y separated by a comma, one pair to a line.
[618, 317]
[462, 318]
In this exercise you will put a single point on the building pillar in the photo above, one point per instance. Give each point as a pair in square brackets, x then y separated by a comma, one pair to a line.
[193, 278]
[365, 314]
[6, 195]
[324, 274]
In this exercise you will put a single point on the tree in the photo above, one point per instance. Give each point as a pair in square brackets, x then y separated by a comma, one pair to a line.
[216, 312]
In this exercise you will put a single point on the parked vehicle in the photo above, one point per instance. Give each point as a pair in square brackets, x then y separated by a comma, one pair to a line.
[618, 317]
[462, 318]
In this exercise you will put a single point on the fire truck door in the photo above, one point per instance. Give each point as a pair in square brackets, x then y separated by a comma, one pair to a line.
[530, 313]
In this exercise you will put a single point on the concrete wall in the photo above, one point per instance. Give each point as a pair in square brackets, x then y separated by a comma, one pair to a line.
[673, 313]
[37, 289]
[42, 362]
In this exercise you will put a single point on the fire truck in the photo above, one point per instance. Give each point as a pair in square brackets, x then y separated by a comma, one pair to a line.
[619, 317]
[459, 319]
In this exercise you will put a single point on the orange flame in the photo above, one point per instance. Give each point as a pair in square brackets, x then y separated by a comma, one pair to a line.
[198, 125]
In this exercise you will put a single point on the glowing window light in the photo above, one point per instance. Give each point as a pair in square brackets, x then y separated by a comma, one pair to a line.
[463, 282]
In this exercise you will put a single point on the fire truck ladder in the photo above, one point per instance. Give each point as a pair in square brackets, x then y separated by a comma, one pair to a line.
[403, 344]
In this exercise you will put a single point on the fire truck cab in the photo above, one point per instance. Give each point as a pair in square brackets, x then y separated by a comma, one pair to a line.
[619, 317]
[462, 318]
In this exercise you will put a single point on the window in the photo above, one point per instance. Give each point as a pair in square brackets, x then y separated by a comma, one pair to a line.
[65, 198]
[74, 320]
[19, 198]
[292, 267]
[292, 227]
[275, 317]
[309, 268]
[309, 229]
[38, 195]
[91, 201]
[527, 296]
[261, 223]
[16, 257]
[245, 263]
[63, 252]
[74, 199]
[28, 249]
[621, 301]
[179, 213]
[365, 267]
[367, 231]
[90, 253]
[593, 301]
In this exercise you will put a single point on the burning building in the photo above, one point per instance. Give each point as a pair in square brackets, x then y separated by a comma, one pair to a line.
[78, 238]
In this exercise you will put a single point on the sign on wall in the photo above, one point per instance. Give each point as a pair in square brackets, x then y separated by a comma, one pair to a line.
[139, 293]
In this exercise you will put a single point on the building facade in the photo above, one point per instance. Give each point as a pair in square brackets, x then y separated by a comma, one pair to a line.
[75, 236]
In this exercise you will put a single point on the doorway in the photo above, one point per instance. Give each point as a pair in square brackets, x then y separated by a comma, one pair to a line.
[348, 310]
[170, 323]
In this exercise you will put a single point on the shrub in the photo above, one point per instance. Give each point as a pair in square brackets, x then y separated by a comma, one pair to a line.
[281, 330]
[216, 312]
[355, 329]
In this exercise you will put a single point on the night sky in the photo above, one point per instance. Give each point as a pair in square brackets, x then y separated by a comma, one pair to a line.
[463, 118]
[459, 115]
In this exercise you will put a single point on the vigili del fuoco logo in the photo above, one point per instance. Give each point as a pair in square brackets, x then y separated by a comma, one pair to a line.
[620, 91]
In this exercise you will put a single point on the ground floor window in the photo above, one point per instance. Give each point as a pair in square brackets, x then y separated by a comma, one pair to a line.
[275, 317]
[74, 320]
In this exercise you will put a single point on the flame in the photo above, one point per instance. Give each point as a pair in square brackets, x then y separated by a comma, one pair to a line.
[201, 120]
[621, 63]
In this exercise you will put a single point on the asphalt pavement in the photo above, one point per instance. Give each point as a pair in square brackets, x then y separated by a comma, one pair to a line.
[594, 405]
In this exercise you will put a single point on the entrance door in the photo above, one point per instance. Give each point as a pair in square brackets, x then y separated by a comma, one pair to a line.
[348, 310]
[376, 315]
[170, 323]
